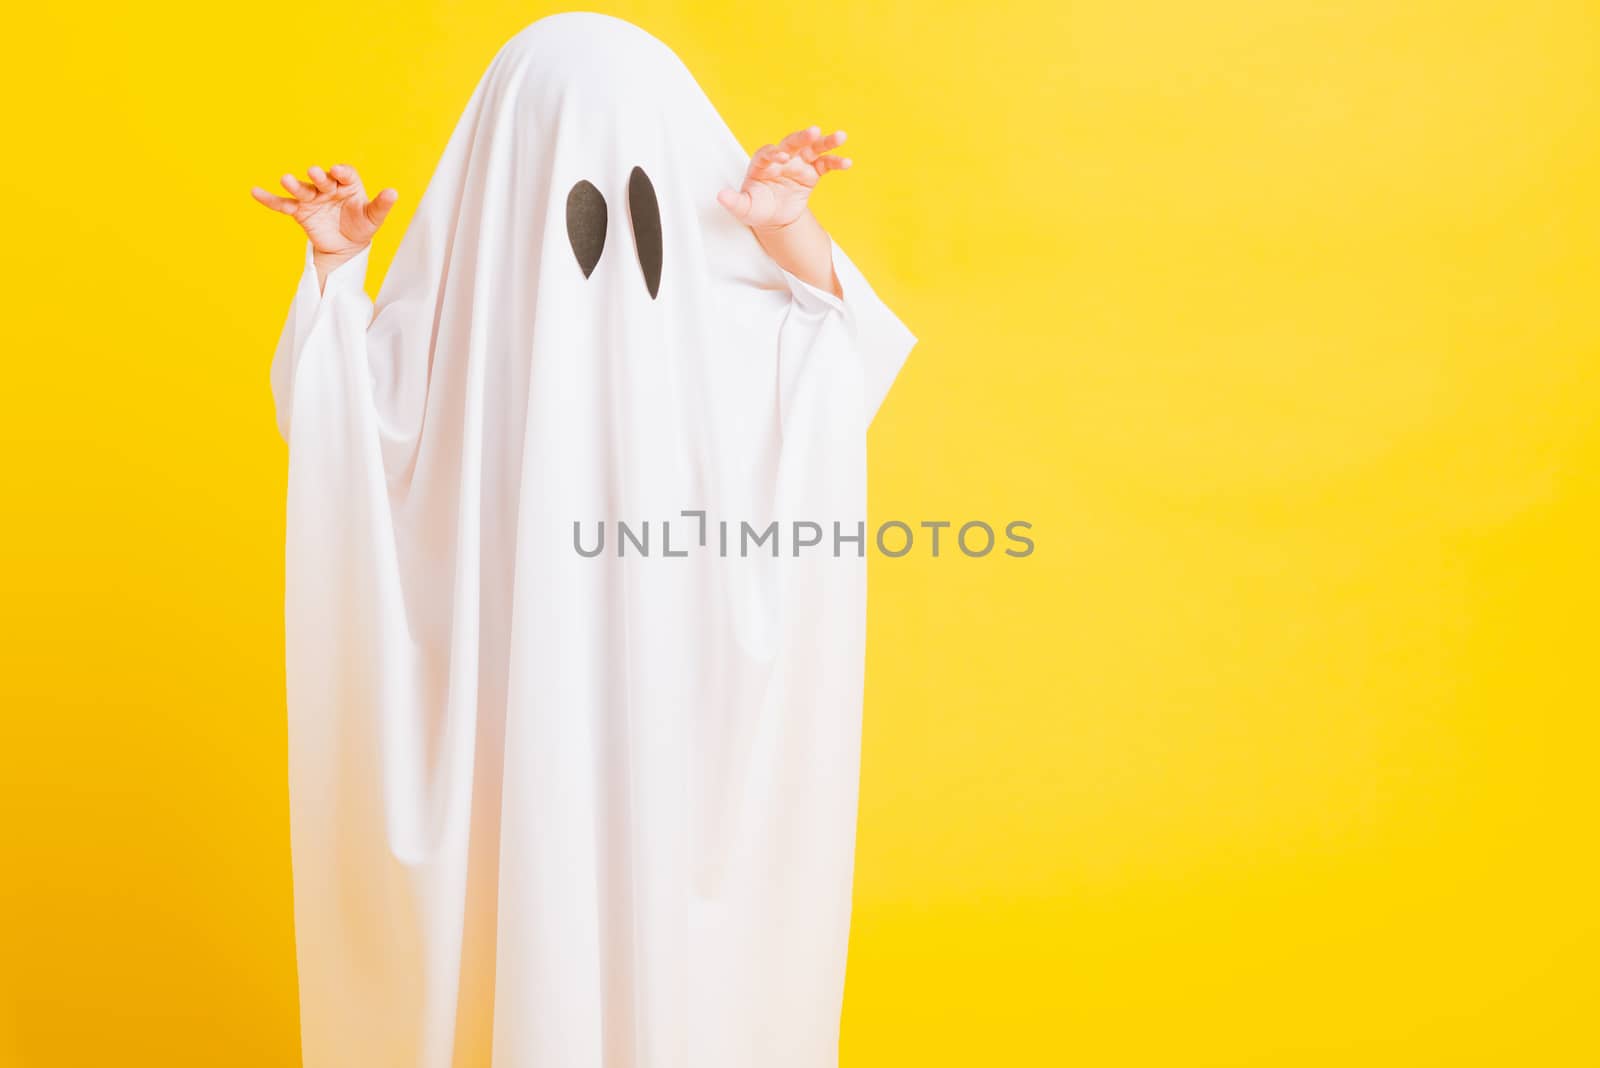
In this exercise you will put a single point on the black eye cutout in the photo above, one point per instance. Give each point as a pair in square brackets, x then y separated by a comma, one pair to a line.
[586, 226]
[646, 216]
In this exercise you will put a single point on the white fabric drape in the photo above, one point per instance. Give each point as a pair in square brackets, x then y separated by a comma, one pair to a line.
[551, 810]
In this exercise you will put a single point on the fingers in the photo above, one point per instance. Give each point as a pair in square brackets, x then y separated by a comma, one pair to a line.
[798, 141]
[276, 203]
[738, 203]
[768, 161]
[809, 143]
[824, 164]
[296, 190]
[338, 177]
[320, 179]
[337, 184]
[377, 208]
[823, 145]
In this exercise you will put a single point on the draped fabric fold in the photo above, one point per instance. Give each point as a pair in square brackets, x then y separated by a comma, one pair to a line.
[554, 809]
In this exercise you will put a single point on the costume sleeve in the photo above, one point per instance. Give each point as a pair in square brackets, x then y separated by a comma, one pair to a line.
[318, 319]
[879, 339]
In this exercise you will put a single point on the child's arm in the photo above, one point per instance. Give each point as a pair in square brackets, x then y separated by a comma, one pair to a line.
[773, 203]
[334, 212]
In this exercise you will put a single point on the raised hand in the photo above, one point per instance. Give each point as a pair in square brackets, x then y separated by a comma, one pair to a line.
[334, 211]
[781, 177]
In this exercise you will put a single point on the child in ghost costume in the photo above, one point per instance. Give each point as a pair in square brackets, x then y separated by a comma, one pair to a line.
[553, 808]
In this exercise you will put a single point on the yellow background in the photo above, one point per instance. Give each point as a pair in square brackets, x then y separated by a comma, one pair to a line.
[1278, 321]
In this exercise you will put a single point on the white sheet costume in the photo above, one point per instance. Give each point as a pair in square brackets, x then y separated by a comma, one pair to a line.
[552, 810]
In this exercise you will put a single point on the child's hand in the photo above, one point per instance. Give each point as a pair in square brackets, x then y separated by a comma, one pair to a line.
[781, 178]
[333, 210]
